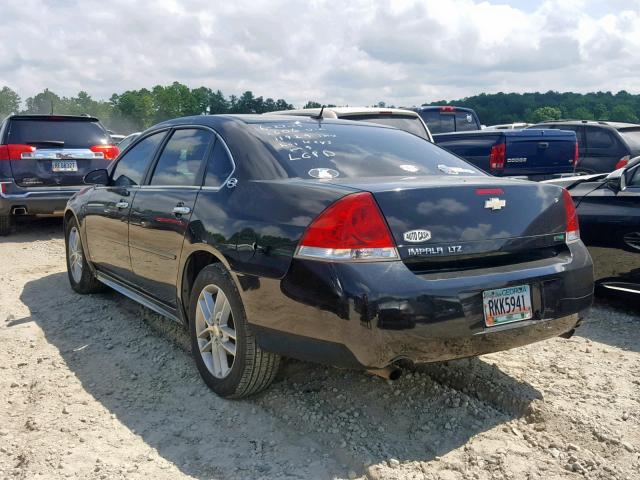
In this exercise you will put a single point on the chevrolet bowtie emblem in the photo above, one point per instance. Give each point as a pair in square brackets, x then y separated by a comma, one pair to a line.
[495, 203]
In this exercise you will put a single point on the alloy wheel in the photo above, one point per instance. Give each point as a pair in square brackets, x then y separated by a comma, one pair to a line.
[75, 255]
[216, 331]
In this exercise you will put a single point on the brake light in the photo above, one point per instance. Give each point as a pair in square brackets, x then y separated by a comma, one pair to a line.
[447, 108]
[622, 162]
[14, 151]
[573, 229]
[489, 191]
[497, 156]
[110, 152]
[576, 154]
[351, 229]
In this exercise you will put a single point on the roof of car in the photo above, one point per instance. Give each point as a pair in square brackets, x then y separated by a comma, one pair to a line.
[55, 116]
[344, 111]
[616, 125]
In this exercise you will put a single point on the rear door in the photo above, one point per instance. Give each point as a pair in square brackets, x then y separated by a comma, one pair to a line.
[107, 210]
[56, 150]
[162, 210]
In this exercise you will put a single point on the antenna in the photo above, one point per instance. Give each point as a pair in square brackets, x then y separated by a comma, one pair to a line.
[319, 116]
[51, 108]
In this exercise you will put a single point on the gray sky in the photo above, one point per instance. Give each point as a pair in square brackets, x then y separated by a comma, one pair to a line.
[344, 52]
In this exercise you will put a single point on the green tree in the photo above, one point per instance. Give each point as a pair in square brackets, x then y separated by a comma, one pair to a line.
[9, 102]
[312, 104]
[624, 113]
[44, 102]
[546, 113]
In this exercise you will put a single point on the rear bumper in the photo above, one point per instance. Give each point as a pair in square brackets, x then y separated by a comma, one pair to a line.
[35, 201]
[370, 315]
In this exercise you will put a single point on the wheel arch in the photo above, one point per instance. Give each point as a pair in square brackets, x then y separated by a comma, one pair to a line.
[194, 262]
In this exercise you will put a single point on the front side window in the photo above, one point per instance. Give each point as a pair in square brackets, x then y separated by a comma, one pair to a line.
[131, 167]
[182, 158]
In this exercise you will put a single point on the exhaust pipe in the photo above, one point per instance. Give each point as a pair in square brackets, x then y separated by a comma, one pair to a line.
[19, 211]
[388, 373]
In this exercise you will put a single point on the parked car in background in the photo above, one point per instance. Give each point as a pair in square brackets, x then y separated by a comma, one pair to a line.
[603, 146]
[447, 118]
[393, 117]
[340, 242]
[533, 154]
[116, 137]
[43, 159]
[608, 207]
[508, 126]
[128, 140]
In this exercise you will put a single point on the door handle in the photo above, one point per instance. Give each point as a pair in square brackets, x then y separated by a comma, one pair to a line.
[122, 204]
[180, 210]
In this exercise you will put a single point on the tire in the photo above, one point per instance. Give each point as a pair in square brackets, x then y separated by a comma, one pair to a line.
[5, 225]
[81, 277]
[251, 369]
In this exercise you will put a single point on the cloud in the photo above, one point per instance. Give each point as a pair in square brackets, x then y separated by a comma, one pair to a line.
[403, 52]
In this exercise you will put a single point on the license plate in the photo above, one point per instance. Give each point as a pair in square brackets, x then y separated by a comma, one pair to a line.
[64, 166]
[506, 305]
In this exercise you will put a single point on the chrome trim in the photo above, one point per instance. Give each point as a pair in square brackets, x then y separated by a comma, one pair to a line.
[136, 297]
[48, 191]
[62, 154]
[163, 187]
[181, 210]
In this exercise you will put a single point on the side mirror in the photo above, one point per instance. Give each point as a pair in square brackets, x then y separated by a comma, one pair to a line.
[616, 180]
[97, 177]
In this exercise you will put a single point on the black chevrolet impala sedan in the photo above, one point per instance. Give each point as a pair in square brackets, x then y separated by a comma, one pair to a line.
[351, 244]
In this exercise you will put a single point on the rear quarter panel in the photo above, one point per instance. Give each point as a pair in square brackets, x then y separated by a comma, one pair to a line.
[473, 147]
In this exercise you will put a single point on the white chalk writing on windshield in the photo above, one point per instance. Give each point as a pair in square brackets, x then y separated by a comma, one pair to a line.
[300, 142]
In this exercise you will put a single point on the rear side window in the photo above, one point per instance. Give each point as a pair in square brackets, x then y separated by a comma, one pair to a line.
[182, 158]
[465, 122]
[407, 123]
[310, 149]
[130, 168]
[632, 138]
[599, 138]
[63, 133]
[219, 166]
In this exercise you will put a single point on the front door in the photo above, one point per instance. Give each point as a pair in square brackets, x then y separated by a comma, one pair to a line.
[107, 212]
[162, 210]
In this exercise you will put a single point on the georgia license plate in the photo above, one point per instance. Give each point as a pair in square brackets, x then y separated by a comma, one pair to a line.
[64, 166]
[506, 305]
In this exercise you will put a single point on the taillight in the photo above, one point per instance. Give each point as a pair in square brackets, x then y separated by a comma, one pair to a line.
[622, 162]
[573, 229]
[576, 154]
[351, 229]
[110, 152]
[14, 151]
[447, 108]
[497, 156]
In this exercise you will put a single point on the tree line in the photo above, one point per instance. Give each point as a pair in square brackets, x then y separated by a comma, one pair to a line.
[135, 110]
[536, 107]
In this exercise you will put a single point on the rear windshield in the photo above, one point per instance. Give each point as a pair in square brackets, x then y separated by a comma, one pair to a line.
[311, 149]
[632, 137]
[444, 122]
[407, 123]
[56, 133]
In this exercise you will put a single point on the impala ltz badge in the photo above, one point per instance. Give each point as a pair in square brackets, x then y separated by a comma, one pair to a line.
[495, 203]
[416, 236]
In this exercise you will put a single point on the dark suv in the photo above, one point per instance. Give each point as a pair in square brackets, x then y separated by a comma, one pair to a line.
[603, 146]
[43, 159]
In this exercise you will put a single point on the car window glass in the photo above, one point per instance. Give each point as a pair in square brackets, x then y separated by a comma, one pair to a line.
[599, 138]
[465, 122]
[219, 166]
[131, 167]
[437, 122]
[635, 178]
[67, 132]
[306, 149]
[403, 122]
[182, 157]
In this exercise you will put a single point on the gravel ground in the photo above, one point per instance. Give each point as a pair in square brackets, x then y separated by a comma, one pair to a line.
[96, 387]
